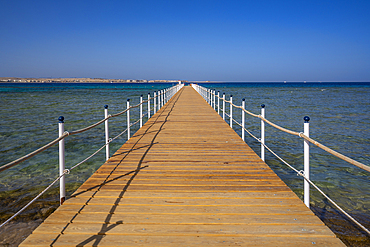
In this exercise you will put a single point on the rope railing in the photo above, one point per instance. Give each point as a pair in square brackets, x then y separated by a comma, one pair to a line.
[163, 98]
[210, 95]
[299, 134]
[50, 144]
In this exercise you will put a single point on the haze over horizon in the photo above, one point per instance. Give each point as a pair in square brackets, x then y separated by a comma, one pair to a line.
[187, 40]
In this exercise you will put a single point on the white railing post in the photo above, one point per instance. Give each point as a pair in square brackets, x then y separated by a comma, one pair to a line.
[155, 101]
[141, 111]
[243, 118]
[218, 102]
[211, 95]
[128, 119]
[231, 111]
[223, 106]
[62, 162]
[306, 161]
[214, 99]
[159, 100]
[106, 133]
[262, 133]
[148, 106]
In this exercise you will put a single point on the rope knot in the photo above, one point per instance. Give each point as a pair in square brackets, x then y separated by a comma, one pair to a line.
[110, 140]
[66, 133]
[300, 134]
[300, 173]
[67, 171]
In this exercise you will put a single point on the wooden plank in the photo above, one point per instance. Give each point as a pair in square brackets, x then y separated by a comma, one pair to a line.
[62, 240]
[195, 209]
[175, 219]
[184, 179]
[184, 229]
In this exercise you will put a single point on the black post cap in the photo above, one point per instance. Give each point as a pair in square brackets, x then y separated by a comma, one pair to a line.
[263, 106]
[306, 119]
[61, 119]
[106, 106]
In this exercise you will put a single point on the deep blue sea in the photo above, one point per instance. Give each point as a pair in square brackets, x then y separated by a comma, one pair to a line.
[340, 119]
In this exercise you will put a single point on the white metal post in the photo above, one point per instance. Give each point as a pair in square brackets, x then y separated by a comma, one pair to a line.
[243, 118]
[218, 102]
[212, 102]
[141, 111]
[223, 106]
[211, 96]
[159, 100]
[231, 111]
[162, 93]
[306, 161]
[62, 162]
[128, 119]
[106, 133]
[262, 133]
[155, 101]
[214, 99]
[148, 105]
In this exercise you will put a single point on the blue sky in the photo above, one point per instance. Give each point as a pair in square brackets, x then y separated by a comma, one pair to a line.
[188, 40]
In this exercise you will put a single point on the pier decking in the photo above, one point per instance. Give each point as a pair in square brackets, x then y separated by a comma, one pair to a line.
[184, 179]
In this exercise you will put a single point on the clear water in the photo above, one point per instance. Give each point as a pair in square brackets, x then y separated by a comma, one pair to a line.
[340, 119]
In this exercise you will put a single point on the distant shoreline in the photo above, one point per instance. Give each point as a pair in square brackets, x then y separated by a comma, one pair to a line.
[79, 80]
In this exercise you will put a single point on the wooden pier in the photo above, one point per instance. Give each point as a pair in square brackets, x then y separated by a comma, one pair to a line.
[184, 179]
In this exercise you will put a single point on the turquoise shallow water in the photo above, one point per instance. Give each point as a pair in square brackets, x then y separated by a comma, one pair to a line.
[339, 112]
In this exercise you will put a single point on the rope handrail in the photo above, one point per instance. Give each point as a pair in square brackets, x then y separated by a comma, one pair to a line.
[66, 171]
[30, 155]
[55, 141]
[316, 143]
[301, 173]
